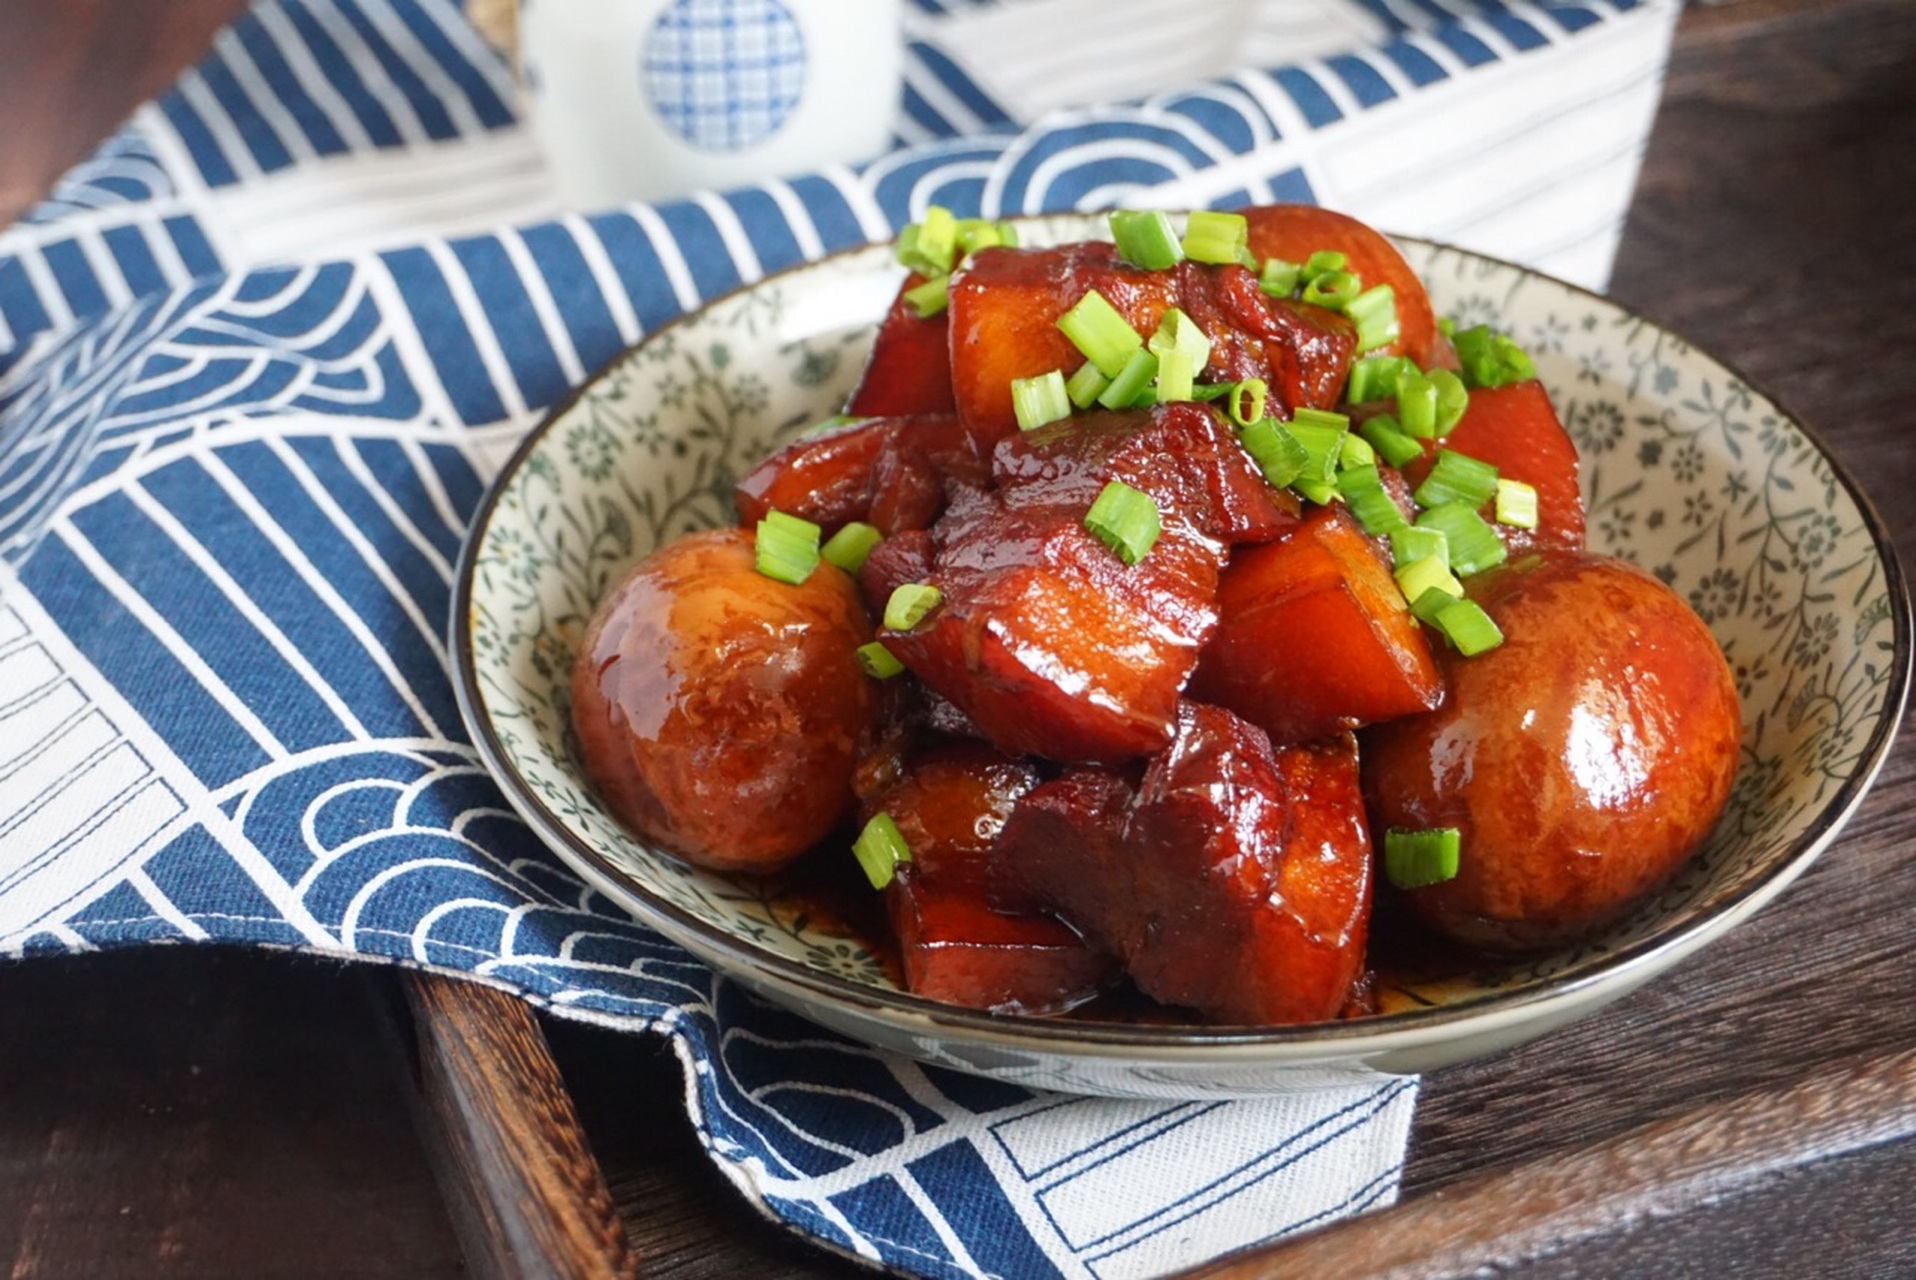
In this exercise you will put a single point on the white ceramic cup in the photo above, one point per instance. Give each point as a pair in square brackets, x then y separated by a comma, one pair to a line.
[652, 99]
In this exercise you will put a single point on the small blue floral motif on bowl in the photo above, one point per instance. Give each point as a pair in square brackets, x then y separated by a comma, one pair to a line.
[724, 75]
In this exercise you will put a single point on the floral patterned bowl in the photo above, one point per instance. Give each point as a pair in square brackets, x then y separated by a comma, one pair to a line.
[1687, 469]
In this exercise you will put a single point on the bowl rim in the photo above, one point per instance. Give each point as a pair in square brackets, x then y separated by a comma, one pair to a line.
[1401, 1028]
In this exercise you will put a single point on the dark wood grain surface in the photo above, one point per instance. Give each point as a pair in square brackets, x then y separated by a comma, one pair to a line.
[520, 1179]
[181, 1114]
[209, 1113]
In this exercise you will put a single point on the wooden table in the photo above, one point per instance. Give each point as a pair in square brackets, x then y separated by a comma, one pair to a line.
[211, 1113]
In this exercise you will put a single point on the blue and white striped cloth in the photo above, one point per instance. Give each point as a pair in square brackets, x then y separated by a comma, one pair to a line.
[261, 353]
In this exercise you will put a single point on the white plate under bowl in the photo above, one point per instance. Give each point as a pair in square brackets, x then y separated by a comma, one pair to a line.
[1687, 469]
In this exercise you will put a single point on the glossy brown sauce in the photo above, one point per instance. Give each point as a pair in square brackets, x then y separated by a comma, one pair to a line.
[1408, 965]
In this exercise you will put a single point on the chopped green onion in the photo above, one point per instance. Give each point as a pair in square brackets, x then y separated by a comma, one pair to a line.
[1364, 494]
[1415, 578]
[1133, 382]
[1392, 445]
[1212, 236]
[1277, 453]
[1124, 519]
[1457, 477]
[1086, 385]
[1101, 332]
[1331, 289]
[880, 847]
[1413, 859]
[1279, 278]
[878, 662]
[1374, 312]
[1039, 399]
[848, 547]
[1417, 404]
[785, 547]
[1410, 544]
[1322, 492]
[1317, 480]
[1375, 378]
[1355, 451]
[930, 297]
[905, 251]
[1516, 504]
[1309, 417]
[938, 235]
[929, 246]
[1145, 238]
[933, 246]
[1490, 359]
[1245, 401]
[1468, 628]
[1325, 260]
[1182, 350]
[1452, 399]
[1433, 601]
[1321, 441]
[1474, 545]
[1178, 332]
[909, 603]
[982, 233]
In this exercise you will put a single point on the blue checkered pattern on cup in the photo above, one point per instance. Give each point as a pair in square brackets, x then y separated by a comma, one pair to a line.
[724, 74]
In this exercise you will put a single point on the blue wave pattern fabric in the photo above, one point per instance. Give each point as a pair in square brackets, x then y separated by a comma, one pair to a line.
[247, 409]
